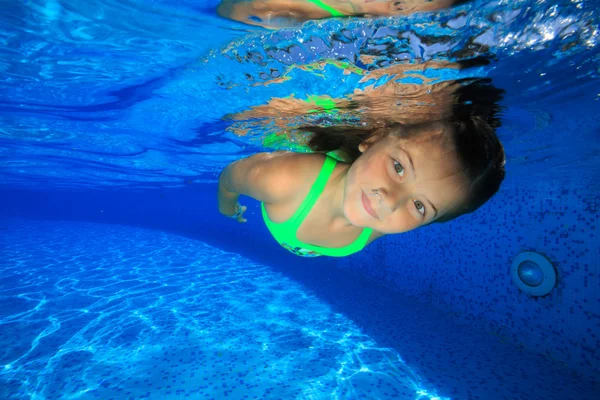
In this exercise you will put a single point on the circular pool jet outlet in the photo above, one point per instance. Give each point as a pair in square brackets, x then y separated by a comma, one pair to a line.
[533, 273]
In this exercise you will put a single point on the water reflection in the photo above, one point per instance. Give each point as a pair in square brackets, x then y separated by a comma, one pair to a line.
[406, 94]
[288, 13]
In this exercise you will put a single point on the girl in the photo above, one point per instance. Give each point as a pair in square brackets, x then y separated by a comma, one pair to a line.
[396, 178]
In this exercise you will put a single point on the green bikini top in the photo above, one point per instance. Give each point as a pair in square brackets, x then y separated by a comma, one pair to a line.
[285, 232]
[329, 9]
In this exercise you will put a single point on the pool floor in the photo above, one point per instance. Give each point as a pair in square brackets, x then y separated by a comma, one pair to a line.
[113, 312]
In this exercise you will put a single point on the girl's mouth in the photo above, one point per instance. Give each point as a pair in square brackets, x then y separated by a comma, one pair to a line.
[367, 205]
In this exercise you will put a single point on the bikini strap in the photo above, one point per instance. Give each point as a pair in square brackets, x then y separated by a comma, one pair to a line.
[329, 9]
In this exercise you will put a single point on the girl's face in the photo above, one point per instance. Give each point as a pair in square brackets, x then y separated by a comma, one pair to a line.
[400, 184]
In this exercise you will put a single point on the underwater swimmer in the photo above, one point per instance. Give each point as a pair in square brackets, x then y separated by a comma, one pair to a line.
[287, 13]
[398, 178]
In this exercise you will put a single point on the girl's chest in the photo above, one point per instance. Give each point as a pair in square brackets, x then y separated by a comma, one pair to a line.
[317, 227]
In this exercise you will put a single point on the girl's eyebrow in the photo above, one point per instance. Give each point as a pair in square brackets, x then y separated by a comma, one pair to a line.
[435, 211]
[412, 167]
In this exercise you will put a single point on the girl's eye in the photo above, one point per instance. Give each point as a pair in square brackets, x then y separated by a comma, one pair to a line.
[399, 168]
[420, 207]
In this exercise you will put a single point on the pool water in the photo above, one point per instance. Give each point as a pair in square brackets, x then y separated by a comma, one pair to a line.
[106, 311]
[120, 279]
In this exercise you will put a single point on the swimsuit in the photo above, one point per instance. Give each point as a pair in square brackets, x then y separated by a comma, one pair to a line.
[285, 232]
[329, 9]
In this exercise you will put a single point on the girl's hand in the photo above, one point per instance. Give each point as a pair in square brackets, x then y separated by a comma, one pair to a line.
[239, 212]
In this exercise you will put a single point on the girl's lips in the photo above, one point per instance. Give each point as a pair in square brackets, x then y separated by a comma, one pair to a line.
[367, 206]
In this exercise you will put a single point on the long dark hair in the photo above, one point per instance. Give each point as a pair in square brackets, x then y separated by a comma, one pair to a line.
[473, 124]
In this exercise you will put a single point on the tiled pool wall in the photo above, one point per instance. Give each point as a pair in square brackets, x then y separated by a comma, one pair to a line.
[463, 267]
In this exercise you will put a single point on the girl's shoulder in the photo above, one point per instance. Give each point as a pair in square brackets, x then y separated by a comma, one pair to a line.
[298, 160]
[281, 176]
[296, 167]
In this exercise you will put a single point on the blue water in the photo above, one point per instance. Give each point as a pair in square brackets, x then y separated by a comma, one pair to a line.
[107, 311]
[100, 94]
[118, 278]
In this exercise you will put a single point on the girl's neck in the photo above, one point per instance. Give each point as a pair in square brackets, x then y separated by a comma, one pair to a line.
[335, 195]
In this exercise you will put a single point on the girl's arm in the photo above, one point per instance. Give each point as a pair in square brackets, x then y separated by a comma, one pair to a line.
[263, 176]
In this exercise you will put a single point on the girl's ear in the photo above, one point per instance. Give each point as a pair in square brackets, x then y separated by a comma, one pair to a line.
[368, 142]
[363, 146]
[375, 136]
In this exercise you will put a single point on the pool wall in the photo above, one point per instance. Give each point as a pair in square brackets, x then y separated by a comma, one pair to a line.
[464, 268]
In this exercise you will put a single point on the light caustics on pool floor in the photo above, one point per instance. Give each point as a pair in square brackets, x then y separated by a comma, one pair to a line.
[100, 311]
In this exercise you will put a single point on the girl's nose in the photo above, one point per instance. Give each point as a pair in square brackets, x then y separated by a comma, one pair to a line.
[390, 200]
[385, 202]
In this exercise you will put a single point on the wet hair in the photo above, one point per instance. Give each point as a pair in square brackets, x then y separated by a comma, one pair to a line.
[473, 125]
